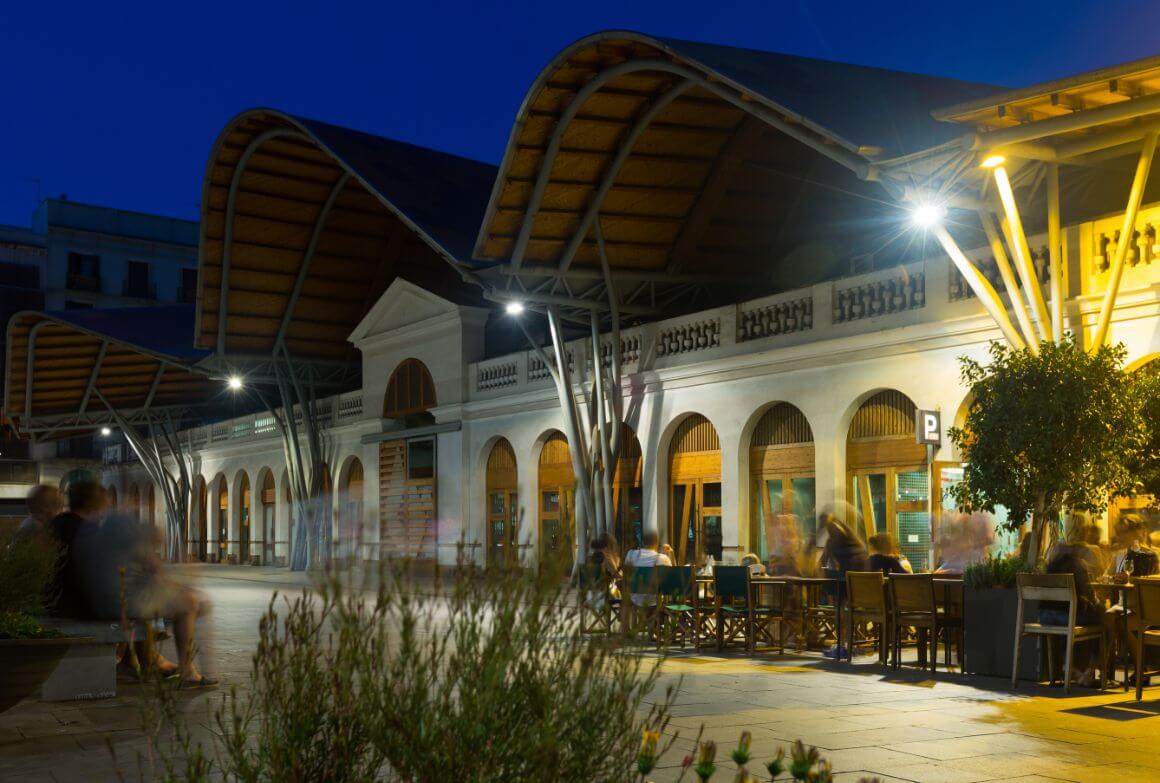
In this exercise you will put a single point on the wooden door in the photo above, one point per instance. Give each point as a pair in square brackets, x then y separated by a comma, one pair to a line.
[407, 498]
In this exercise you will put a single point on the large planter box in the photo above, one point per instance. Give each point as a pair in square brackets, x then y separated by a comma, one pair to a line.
[989, 636]
[25, 664]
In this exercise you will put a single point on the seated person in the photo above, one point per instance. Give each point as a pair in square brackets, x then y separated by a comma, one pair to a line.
[87, 501]
[843, 551]
[603, 568]
[1076, 559]
[1128, 538]
[646, 557]
[886, 557]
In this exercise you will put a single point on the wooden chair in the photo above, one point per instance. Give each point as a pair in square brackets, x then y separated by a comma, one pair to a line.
[763, 616]
[639, 581]
[912, 606]
[949, 605]
[596, 601]
[1146, 624]
[1058, 588]
[734, 612]
[678, 613]
[867, 602]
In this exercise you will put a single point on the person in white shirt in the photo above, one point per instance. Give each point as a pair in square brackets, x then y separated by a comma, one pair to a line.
[646, 557]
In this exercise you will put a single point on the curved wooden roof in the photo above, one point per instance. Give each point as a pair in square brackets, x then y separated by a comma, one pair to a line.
[305, 224]
[61, 365]
[705, 163]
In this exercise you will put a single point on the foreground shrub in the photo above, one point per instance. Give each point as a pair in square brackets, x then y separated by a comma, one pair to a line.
[487, 680]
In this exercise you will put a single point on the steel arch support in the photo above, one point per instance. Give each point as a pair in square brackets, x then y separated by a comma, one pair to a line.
[228, 228]
[308, 256]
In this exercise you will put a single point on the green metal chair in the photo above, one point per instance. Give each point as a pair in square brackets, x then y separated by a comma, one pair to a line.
[640, 598]
[734, 611]
[678, 614]
[596, 601]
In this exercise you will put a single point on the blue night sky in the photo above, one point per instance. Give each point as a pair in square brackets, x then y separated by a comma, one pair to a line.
[118, 104]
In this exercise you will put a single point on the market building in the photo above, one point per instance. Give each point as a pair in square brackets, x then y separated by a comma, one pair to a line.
[746, 219]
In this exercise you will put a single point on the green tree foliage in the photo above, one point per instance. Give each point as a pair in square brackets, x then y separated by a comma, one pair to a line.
[1146, 466]
[1063, 428]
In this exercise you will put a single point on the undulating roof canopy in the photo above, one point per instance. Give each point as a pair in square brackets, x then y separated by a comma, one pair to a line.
[305, 224]
[711, 168]
[61, 364]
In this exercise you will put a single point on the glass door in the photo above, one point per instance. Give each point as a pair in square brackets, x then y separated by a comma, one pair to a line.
[267, 533]
[244, 534]
[783, 495]
[895, 500]
[696, 531]
[502, 544]
[556, 531]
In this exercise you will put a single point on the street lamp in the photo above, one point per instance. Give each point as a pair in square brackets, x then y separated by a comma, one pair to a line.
[106, 432]
[234, 383]
[927, 215]
[514, 308]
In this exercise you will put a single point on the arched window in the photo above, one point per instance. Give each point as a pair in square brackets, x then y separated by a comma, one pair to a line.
[409, 391]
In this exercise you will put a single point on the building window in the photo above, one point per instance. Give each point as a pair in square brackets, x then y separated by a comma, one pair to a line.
[137, 281]
[421, 459]
[84, 272]
[188, 290]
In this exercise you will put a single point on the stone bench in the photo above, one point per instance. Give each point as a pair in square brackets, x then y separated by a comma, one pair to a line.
[89, 669]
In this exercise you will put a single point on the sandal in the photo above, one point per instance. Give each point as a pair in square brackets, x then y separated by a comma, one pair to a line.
[200, 682]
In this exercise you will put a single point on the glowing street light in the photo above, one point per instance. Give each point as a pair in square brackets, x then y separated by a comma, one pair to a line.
[106, 432]
[234, 383]
[927, 215]
[514, 308]
[993, 161]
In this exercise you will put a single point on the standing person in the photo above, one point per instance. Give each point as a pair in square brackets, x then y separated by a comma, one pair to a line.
[44, 503]
[87, 501]
[646, 557]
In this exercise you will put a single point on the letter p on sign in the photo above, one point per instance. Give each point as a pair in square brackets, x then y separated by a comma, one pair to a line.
[928, 427]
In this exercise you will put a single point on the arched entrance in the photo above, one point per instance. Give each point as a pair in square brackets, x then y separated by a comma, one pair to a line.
[502, 505]
[407, 498]
[222, 518]
[269, 506]
[557, 503]
[781, 467]
[627, 495]
[350, 509]
[888, 479]
[244, 518]
[695, 530]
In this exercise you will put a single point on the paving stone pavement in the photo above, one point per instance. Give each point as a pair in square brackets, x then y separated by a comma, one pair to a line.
[906, 726]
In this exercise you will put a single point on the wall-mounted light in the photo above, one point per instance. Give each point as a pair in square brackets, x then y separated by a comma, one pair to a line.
[234, 382]
[993, 161]
[106, 432]
[514, 308]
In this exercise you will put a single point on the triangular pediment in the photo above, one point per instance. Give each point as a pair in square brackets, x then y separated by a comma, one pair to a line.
[402, 305]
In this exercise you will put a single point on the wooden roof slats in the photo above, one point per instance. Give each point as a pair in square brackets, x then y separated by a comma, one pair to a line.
[309, 238]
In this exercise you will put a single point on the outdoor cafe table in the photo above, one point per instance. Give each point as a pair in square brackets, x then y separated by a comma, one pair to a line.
[811, 589]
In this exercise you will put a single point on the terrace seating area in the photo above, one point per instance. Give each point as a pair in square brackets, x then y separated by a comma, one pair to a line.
[866, 618]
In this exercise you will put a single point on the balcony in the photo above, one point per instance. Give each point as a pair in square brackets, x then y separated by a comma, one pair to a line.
[18, 471]
[79, 282]
[139, 289]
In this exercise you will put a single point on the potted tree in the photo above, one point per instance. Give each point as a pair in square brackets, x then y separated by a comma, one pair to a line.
[1046, 430]
[29, 652]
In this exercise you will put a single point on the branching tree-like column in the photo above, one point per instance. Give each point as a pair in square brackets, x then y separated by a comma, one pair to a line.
[593, 426]
[162, 448]
[306, 468]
